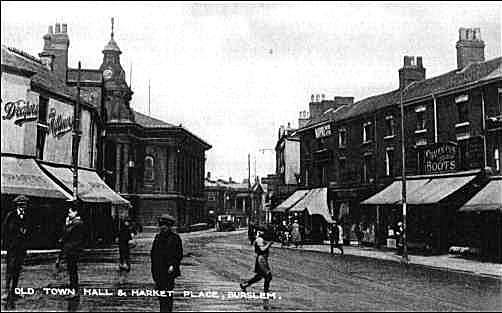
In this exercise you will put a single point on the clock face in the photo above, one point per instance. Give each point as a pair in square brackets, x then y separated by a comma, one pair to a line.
[107, 74]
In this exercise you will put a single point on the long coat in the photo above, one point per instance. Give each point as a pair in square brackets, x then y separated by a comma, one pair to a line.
[74, 237]
[166, 250]
[15, 232]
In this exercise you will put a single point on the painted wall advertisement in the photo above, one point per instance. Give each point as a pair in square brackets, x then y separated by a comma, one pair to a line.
[440, 158]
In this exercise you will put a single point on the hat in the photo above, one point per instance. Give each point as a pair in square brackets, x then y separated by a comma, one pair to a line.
[21, 199]
[74, 204]
[166, 219]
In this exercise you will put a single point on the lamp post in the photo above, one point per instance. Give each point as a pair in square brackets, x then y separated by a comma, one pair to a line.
[76, 137]
[403, 175]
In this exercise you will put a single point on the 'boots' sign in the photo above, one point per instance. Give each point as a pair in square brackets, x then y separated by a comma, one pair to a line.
[440, 158]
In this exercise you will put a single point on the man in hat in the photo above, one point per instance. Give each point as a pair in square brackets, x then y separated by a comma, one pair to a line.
[166, 255]
[73, 240]
[15, 237]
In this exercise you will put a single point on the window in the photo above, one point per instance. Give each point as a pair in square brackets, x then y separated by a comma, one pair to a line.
[41, 126]
[496, 157]
[367, 133]
[149, 168]
[366, 168]
[211, 196]
[342, 165]
[389, 126]
[342, 137]
[463, 111]
[420, 114]
[389, 161]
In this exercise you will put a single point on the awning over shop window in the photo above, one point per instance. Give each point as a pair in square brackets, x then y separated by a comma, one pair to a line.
[488, 199]
[291, 201]
[420, 191]
[24, 176]
[91, 188]
[315, 202]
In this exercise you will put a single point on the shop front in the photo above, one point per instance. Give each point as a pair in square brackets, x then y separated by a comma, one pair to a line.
[313, 214]
[280, 212]
[432, 202]
[481, 218]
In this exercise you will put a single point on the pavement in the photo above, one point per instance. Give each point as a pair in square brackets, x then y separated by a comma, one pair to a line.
[446, 262]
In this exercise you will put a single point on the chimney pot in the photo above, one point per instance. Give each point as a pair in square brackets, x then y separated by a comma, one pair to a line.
[317, 98]
[312, 98]
[477, 33]
[462, 34]
[419, 62]
[65, 27]
[58, 28]
[322, 97]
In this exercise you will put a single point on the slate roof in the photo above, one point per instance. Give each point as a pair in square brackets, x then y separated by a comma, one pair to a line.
[43, 77]
[473, 73]
[150, 122]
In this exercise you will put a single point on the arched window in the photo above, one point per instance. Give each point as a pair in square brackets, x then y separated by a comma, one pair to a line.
[149, 168]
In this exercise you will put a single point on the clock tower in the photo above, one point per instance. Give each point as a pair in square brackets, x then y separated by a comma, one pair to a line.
[116, 93]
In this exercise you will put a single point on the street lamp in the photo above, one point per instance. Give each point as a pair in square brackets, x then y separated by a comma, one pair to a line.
[403, 175]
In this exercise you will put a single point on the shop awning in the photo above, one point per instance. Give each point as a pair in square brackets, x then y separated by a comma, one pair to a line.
[488, 199]
[420, 191]
[291, 201]
[315, 202]
[91, 188]
[24, 176]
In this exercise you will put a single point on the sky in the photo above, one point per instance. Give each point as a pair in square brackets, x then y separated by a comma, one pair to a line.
[233, 73]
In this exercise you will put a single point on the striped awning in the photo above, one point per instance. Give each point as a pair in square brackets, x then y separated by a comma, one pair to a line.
[315, 202]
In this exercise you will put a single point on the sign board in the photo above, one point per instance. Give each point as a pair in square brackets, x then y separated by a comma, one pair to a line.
[440, 158]
[323, 131]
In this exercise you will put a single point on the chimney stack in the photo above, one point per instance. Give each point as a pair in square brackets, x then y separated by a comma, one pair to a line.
[55, 51]
[411, 71]
[470, 47]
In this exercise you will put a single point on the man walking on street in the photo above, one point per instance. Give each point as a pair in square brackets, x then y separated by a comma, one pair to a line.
[261, 268]
[166, 255]
[334, 238]
[124, 237]
[73, 243]
[15, 237]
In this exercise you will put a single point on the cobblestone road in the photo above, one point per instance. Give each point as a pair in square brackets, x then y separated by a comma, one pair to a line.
[304, 281]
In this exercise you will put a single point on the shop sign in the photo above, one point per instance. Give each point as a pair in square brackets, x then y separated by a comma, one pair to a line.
[59, 124]
[323, 131]
[440, 158]
[21, 111]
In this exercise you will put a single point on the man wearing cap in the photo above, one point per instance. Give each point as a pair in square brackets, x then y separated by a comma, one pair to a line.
[73, 242]
[166, 255]
[15, 237]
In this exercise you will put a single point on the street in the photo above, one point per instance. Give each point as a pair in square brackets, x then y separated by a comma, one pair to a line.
[302, 281]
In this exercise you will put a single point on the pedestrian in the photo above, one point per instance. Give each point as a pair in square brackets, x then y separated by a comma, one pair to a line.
[334, 238]
[73, 241]
[166, 255]
[15, 232]
[251, 233]
[296, 235]
[125, 235]
[261, 267]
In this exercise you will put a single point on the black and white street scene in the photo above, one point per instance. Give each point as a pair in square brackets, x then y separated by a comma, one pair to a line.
[257, 156]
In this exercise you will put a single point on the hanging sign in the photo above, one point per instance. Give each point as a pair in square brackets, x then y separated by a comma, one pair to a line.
[21, 111]
[440, 158]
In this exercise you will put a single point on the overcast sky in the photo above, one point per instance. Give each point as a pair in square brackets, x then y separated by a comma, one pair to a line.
[233, 73]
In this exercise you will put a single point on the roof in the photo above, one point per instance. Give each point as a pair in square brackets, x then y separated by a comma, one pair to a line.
[150, 122]
[111, 46]
[43, 77]
[471, 74]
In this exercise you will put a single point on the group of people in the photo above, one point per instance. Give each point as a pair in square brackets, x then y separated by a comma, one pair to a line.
[290, 233]
[166, 252]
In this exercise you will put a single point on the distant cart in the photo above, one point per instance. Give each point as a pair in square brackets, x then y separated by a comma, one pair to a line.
[226, 223]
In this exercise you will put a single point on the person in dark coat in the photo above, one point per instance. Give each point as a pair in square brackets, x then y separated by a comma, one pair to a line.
[334, 238]
[15, 232]
[73, 241]
[261, 267]
[125, 235]
[166, 255]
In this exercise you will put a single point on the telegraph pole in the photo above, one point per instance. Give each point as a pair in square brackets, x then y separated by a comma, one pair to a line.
[76, 136]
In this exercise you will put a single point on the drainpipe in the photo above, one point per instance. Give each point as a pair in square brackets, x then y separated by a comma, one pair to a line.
[435, 119]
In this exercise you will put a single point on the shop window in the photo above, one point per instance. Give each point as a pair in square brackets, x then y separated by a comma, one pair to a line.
[42, 127]
[389, 161]
[389, 126]
[342, 137]
[149, 168]
[367, 133]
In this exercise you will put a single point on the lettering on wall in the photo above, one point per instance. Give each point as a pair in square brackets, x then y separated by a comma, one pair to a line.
[59, 124]
[21, 111]
[323, 131]
[440, 157]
